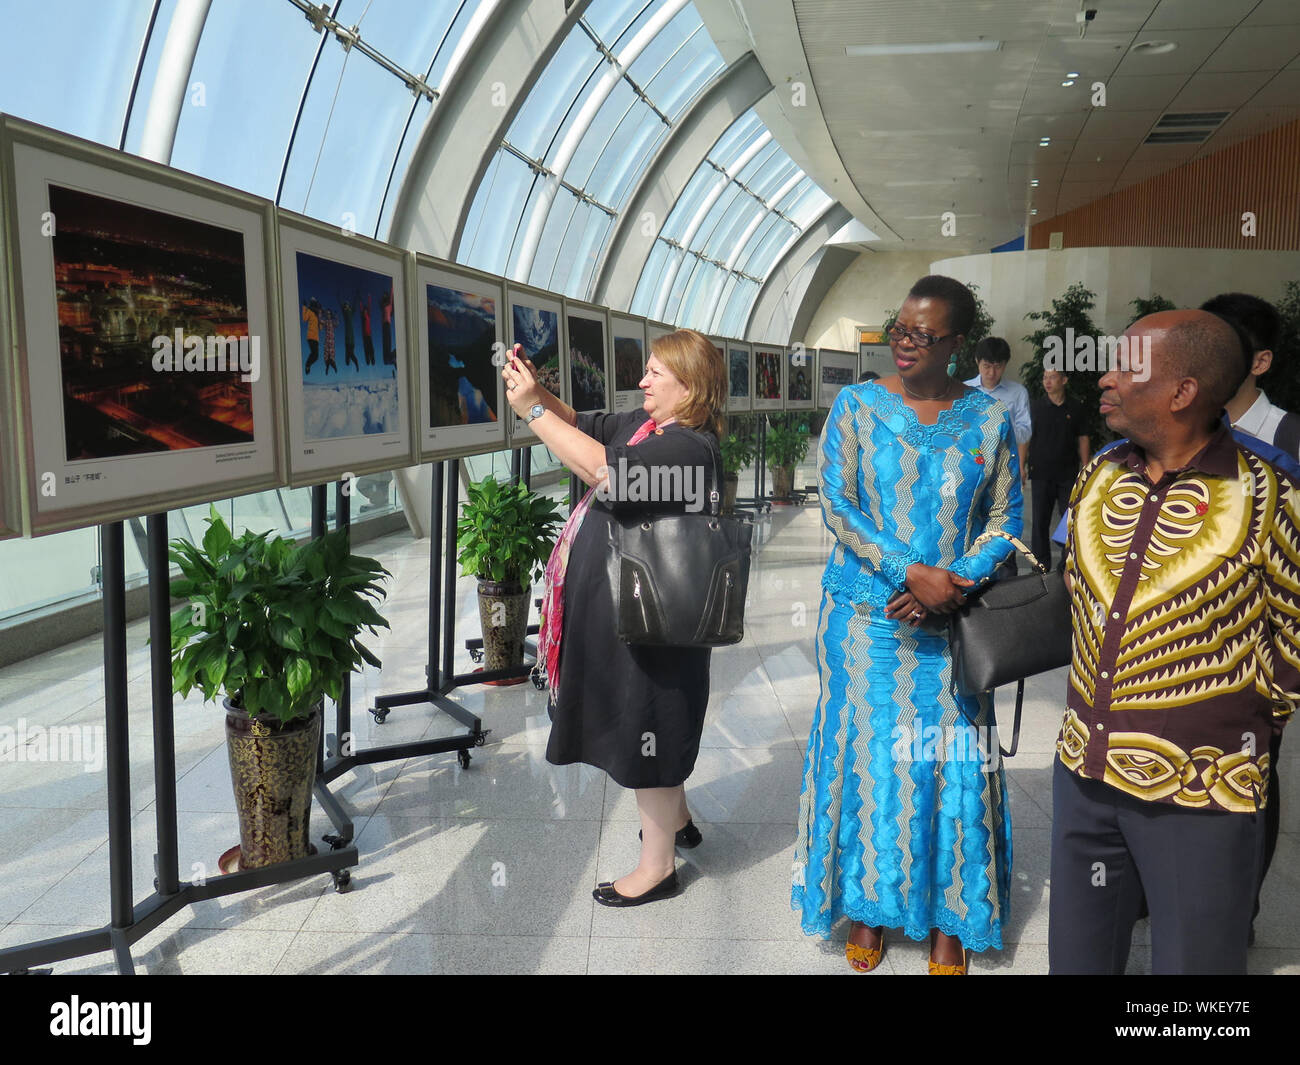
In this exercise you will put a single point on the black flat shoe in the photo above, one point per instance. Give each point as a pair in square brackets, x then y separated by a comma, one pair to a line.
[686, 838]
[607, 895]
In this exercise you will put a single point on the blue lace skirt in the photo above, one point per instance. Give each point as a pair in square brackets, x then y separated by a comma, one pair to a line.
[902, 818]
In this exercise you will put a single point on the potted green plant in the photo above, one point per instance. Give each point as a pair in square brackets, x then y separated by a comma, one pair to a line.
[505, 534]
[274, 627]
[737, 453]
[786, 446]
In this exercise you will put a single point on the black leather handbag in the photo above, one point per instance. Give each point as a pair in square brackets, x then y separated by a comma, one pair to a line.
[1010, 629]
[680, 580]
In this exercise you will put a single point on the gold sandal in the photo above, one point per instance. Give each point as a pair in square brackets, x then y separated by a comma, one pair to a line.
[865, 959]
[948, 970]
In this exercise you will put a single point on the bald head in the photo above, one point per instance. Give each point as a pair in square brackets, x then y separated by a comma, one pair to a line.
[1199, 345]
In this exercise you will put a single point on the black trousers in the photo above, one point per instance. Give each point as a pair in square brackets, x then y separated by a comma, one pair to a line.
[1272, 813]
[1048, 495]
[1199, 870]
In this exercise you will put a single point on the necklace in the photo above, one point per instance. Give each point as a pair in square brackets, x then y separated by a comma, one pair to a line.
[928, 399]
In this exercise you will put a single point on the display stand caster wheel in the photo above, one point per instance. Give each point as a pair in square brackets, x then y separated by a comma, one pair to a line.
[463, 757]
[539, 682]
[476, 654]
[335, 842]
[379, 713]
[342, 880]
[481, 738]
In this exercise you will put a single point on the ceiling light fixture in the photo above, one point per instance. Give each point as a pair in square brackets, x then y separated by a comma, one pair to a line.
[1034, 183]
[1067, 84]
[1072, 74]
[932, 48]
[1153, 47]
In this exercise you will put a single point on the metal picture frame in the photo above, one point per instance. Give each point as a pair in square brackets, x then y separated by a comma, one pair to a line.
[111, 430]
[363, 423]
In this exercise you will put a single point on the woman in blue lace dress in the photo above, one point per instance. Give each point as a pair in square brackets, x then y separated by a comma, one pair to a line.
[902, 817]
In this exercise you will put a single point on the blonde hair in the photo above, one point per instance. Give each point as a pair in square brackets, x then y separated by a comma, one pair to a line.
[694, 360]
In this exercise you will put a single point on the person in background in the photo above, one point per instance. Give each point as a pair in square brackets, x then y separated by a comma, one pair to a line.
[1250, 410]
[991, 356]
[1181, 561]
[868, 375]
[1058, 448]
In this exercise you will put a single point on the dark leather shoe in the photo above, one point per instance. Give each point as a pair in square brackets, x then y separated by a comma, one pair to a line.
[606, 894]
[687, 837]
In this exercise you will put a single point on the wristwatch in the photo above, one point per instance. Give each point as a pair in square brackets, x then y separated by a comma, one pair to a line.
[535, 412]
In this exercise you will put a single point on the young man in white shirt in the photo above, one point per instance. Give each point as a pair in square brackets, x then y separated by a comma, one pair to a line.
[992, 355]
[1250, 410]
[1259, 327]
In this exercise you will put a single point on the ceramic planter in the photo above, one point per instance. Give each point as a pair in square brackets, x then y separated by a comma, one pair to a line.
[273, 772]
[503, 613]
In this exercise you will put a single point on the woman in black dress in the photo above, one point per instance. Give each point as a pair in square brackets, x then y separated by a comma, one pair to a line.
[636, 712]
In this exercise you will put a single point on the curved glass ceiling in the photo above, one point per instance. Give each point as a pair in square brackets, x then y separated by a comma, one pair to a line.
[590, 128]
[319, 108]
[746, 203]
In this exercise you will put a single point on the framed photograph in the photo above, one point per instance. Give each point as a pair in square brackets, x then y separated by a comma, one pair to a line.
[799, 369]
[459, 352]
[535, 319]
[740, 376]
[148, 335]
[586, 356]
[654, 330]
[11, 467]
[347, 352]
[767, 376]
[876, 358]
[835, 370]
[630, 351]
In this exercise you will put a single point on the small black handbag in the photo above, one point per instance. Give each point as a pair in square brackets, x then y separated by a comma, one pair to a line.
[680, 580]
[1010, 629]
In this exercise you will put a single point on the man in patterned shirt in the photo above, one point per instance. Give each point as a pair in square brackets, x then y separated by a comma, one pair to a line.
[1184, 571]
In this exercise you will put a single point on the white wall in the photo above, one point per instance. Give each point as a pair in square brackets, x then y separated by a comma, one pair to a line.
[1012, 283]
[874, 283]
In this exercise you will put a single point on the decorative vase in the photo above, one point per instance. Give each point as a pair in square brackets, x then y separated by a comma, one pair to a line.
[782, 481]
[503, 613]
[273, 771]
[729, 483]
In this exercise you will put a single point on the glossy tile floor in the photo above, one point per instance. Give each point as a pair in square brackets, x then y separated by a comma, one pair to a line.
[490, 869]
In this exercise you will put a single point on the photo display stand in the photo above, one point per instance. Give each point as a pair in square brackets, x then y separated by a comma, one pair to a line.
[439, 669]
[130, 921]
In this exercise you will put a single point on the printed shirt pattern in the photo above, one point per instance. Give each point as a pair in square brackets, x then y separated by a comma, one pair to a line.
[1186, 618]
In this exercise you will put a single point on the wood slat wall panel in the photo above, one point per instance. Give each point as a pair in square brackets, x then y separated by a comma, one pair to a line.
[1198, 204]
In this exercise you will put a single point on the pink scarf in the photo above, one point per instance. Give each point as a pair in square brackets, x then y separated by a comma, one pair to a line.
[552, 624]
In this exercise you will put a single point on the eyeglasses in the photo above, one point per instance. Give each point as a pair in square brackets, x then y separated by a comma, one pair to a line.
[921, 340]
